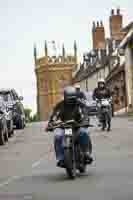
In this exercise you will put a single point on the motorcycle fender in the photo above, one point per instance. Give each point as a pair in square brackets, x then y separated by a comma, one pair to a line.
[67, 142]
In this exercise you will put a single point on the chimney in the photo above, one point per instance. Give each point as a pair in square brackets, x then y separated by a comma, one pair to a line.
[118, 11]
[98, 35]
[116, 24]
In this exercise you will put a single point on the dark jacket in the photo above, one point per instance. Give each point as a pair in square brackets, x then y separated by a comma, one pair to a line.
[66, 112]
[101, 93]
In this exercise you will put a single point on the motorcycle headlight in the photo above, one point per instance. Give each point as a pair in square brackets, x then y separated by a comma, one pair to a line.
[7, 115]
[14, 108]
[98, 105]
[0, 116]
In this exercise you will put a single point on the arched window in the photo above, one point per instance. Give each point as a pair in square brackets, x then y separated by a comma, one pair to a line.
[41, 82]
[46, 85]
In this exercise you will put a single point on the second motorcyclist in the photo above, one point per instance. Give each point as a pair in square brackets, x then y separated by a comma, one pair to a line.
[101, 92]
[68, 109]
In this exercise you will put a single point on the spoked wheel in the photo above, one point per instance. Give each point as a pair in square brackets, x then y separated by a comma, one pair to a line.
[70, 163]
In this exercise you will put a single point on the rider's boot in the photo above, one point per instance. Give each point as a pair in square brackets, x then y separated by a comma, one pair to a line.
[109, 127]
[61, 163]
[88, 158]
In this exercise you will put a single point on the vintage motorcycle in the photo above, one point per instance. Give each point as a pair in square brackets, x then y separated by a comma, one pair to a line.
[104, 110]
[74, 157]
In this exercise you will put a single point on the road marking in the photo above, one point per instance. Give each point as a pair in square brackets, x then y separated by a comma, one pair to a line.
[45, 157]
[35, 164]
[9, 181]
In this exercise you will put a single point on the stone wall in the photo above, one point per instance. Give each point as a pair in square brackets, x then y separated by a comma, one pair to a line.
[117, 83]
[129, 74]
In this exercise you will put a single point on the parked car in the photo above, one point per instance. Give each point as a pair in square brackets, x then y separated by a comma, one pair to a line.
[14, 103]
[9, 120]
[91, 104]
[8, 115]
[3, 124]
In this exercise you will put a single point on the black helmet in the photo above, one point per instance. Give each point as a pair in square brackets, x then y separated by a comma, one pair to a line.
[70, 95]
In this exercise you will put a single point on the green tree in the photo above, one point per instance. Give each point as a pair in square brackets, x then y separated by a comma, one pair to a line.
[35, 118]
[28, 112]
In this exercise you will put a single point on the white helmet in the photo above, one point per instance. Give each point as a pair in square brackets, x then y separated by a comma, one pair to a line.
[77, 86]
[101, 80]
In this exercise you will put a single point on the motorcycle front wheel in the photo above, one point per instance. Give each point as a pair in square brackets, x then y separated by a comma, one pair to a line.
[70, 163]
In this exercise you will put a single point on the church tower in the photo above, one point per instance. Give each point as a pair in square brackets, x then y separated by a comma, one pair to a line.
[53, 73]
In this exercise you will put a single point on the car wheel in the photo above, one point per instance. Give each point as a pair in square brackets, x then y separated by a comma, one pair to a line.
[6, 135]
[2, 139]
[11, 131]
[20, 124]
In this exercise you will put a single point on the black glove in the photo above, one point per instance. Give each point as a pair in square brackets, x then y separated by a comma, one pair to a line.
[50, 126]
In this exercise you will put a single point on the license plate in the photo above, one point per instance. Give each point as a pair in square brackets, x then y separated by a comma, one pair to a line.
[68, 131]
[105, 109]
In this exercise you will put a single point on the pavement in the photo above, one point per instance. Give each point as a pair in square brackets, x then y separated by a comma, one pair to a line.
[28, 166]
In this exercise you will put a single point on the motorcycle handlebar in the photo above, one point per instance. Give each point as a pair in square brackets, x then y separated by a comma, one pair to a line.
[108, 99]
[62, 124]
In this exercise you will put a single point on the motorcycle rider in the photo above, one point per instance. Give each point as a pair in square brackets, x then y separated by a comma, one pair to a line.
[67, 109]
[101, 92]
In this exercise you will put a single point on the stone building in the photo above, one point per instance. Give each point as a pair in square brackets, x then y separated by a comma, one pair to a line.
[104, 61]
[52, 75]
[120, 78]
[127, 46]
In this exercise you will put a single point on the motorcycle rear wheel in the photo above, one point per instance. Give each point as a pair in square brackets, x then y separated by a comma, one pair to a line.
[82, 169]
[103, 122]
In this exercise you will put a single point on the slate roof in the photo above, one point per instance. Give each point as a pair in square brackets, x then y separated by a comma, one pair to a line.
[83, 74]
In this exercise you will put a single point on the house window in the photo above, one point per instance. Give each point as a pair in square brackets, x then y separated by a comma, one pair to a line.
[116, 101]
[46, 85]
[114, 45]
[107, 49]
[99, 54]
[41, 82]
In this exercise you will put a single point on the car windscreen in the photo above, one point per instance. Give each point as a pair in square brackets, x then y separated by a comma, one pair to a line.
[5, 96]
[89, 96]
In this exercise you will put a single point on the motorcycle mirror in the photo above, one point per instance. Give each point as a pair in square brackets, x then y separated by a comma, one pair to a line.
[1, 112]
[21, 98]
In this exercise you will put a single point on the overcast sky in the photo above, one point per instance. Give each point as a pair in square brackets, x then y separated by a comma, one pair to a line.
[25, 22]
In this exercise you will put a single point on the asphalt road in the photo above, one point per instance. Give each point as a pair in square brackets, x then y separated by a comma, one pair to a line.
[28, 167]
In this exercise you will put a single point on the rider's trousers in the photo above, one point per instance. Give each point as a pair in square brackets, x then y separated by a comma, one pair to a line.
[83, 136]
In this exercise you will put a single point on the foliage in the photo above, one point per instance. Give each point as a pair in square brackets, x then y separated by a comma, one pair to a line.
[35, 118]
[29, 116]
[28, 112]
